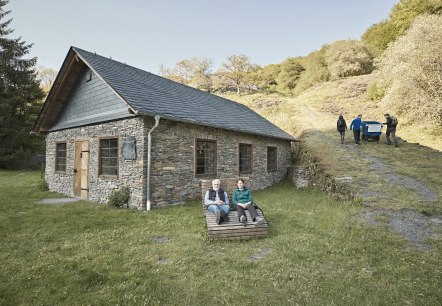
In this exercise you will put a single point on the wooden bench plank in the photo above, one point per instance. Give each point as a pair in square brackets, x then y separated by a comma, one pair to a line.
[235, 229]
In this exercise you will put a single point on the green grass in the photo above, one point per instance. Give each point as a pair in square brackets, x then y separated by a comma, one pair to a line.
[319, 252]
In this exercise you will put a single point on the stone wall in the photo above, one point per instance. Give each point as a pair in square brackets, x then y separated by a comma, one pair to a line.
[131, 172]
[173, 178]
[173, 173]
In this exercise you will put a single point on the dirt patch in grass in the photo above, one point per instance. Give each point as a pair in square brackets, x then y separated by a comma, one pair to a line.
[58, 201]
[380, 168]
[417, 228]
[260, 254]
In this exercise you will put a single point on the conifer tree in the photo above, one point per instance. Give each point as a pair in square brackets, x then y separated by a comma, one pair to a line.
[19, 96]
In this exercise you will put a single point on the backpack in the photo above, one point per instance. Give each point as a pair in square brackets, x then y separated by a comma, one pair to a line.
[394, 121]
[341, 123]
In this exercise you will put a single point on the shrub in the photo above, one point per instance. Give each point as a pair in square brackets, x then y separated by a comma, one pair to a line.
[42, 185]
[119, 197]
[346, 58]
[375, 91]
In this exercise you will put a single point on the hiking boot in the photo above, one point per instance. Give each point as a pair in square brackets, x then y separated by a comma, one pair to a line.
[218, 217]
[259, 221]
[222, 215]
[226, 218]
[243, 220]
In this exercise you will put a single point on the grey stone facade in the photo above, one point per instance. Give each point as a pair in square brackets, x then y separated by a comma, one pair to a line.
[173, 178]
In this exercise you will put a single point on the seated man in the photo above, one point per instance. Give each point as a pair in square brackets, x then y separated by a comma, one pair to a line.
[218, 202]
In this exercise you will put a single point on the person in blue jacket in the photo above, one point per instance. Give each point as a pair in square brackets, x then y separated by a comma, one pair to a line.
[355, 126]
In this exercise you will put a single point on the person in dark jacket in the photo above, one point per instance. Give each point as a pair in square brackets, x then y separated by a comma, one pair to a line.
[342, 127]
[391, 130]
[217, 202]
[355, 126]
[242, 199]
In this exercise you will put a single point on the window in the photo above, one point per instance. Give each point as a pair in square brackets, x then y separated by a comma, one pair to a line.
[108, 157]
[245, 158]
[205, 156]
[271, 159]
[60, 157]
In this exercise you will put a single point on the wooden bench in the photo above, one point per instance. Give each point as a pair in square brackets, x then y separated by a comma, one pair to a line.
[233, 229]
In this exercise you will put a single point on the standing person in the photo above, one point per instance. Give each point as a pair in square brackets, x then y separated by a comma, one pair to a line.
[242, 198]
[356, 127]
[342, 126]
[391, 129]
[218, 202]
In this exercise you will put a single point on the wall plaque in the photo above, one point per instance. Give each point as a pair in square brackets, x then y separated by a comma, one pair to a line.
[128, 148]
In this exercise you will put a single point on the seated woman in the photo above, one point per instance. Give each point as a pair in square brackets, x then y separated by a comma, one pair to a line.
[242, 199]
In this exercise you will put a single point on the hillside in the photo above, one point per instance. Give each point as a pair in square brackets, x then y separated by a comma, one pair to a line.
[400, 187]
[329, 99]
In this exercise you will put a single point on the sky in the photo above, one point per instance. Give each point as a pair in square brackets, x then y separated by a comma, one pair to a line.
[147, 34]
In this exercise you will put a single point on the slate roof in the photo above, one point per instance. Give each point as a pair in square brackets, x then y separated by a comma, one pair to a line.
[149, 94]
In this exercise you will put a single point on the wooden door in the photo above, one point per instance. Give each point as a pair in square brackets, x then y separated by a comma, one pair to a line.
[81, 169]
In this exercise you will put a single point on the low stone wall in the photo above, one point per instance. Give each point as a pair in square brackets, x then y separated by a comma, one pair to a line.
[308, 164]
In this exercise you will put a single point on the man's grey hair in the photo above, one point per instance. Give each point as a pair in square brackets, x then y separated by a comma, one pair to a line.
[216, 181]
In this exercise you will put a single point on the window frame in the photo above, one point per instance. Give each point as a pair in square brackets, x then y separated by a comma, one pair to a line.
[57, 156]
[215, 157]
[100, 170]
[250, 146]
[272, 163]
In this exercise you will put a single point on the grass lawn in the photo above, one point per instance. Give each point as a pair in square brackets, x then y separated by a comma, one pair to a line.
[319, 252]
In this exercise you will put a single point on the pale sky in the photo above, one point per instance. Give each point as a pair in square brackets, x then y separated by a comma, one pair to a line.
[148, 33]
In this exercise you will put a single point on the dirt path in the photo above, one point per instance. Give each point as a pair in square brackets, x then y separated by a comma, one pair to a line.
[394, 193]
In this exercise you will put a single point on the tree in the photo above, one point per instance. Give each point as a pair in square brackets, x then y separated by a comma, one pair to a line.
[19, 96]
[201, 71]
[346, 58]
[316, 70]
[194, 72]
[236, 72]
[266, 77]
[290, 73]
[46, 77]
[411, 70]
[402, 15]
[378, 36]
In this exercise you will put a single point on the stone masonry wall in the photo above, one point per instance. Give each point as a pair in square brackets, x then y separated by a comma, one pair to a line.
[173, 178]
[173, 173]
[131, 172]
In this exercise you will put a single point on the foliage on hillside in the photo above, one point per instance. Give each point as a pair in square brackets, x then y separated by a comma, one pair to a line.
[403, 14]
[346, 58]
[339, 59]
[411, 70]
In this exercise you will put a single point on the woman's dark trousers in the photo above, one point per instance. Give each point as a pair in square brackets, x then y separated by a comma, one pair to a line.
[250, 208]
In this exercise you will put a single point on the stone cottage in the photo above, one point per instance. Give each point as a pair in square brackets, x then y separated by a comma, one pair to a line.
[108, 125]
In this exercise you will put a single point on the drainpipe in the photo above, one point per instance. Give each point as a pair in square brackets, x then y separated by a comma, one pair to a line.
[149, 147]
